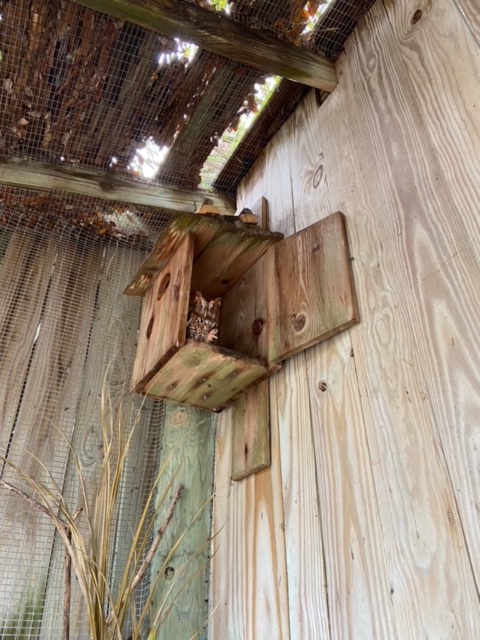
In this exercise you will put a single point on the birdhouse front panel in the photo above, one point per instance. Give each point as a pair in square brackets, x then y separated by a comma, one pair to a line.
[163, 324]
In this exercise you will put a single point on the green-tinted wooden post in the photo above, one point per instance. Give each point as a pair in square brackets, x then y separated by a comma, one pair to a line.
[189, 438]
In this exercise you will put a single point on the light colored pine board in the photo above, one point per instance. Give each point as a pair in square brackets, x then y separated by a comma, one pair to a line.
[389, 260]
[441, 61]
[446, 309]
[469, 11]
[163, 324]
[358, 589]
[46, 414]
[359, 602]
[251, 432]
[205, 376]
[188, 451]
[248, 586]
[304, 546]
[39, 176]
[220, 35]
[291, 419]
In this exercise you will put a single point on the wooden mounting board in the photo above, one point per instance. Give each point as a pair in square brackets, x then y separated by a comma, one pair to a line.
[205, 376]
[251, 432]
[298, 294]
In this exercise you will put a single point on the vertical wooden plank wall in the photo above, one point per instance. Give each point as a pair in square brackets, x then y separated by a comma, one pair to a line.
[369, 511]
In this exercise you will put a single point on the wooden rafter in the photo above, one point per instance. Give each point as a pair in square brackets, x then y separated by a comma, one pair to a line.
[221, 35]
[44, 177]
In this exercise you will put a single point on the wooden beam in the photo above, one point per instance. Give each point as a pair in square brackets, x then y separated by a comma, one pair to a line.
[108, 186]
[221, 35]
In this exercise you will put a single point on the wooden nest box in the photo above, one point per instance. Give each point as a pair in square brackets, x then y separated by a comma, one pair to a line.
[276, 296]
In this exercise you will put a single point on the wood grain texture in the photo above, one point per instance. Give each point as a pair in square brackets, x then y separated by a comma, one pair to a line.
[291, 419]
[314, 295]
[205, 376]
[228, 256]
[182, 578]
[163, 324]
[446, 307]
[251, 432]
[249, 600]
[396, 254]
[394, 428]
[246, 314]
[469, 11]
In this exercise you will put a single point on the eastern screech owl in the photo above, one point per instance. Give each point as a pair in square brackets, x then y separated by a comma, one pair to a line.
[203, 319]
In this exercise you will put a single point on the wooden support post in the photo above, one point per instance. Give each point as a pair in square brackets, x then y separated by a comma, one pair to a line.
[179, 588]
[221, 35]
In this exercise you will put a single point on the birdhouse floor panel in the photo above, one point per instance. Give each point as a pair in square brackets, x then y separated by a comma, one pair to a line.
[205, 375]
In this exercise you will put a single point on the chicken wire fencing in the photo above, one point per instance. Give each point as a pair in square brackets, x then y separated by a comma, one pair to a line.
[80, 88]
[66, 334]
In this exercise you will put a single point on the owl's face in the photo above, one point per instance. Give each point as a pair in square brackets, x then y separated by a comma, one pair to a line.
[214, 308]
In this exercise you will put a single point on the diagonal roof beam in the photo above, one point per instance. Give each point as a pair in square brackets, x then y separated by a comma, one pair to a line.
[40, 176]
[221, 35]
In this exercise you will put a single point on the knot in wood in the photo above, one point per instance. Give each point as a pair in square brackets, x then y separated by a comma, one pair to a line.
[298, 322]
[257, 326]
[416, 16]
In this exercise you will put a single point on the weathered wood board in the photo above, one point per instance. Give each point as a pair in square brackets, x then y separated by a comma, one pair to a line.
[45, 415]
[299, 293]
[107, 369]
[315, 296]
[180, 579]
[205, 376]
[163, 325]
[251, 432]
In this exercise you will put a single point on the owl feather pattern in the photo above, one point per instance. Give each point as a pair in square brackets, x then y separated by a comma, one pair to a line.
[203, 319]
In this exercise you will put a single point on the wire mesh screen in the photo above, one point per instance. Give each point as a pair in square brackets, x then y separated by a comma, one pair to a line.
[81, 88]
[65, 330]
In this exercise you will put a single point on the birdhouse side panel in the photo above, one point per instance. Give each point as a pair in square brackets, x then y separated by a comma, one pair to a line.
[163, 324]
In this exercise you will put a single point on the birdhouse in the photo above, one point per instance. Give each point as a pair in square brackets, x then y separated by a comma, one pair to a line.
[226, 302]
